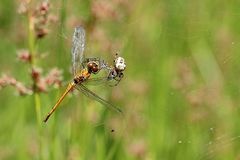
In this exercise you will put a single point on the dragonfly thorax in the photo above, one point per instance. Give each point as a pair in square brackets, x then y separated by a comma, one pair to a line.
[81, 77]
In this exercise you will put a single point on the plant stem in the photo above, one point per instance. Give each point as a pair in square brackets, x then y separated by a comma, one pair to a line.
[32, 48]
[38, 108]
[37, 102]
[31, 39]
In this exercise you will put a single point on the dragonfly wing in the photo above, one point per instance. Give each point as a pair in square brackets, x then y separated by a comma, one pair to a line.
[78, 46]
[96, 81]
[101, 81]
[94, 96]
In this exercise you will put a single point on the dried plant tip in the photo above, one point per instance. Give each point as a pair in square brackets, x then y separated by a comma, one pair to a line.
[42, 85]
[41, 19]
[22, 90]
[36, 73]
[22, 8]
[24, 56]
[7, 80]
[44, 6]
[41, 32]
[3, 81]
[54, 77]
[103, 10]
[52, 18]
[138, 149]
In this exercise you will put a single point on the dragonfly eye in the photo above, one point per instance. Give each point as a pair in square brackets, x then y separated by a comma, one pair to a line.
[93, 67]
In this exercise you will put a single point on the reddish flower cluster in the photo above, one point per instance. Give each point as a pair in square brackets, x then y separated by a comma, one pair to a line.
[39, 17]
[24, 56]
[200, 97]
[53, 78]
[138, 149]
[103, 9]
[40, 83]
[20, 87]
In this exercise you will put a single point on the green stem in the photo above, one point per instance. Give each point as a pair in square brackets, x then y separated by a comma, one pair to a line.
[37, 102]
[31, 38]
[32, 48]
[38, 108]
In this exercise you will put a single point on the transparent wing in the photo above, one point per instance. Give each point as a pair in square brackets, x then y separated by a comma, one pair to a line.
[96, 81]
[78, 45]
[101, 81]
[112, 78]
[94, 96]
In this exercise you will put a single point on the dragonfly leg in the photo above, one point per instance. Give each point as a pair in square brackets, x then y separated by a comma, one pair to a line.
[118, 78]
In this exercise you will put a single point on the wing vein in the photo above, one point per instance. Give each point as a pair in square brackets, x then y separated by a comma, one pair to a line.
[94, 96]
[78, 46]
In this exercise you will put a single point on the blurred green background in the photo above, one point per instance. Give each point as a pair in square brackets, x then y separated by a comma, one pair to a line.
[180, 93]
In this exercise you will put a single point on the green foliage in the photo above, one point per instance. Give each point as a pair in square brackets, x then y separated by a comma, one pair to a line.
[180, 93]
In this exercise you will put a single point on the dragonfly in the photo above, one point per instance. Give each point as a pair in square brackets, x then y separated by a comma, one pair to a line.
[83, 68]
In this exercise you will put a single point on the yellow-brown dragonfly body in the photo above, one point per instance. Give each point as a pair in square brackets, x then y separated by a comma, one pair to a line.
[83, 68]
[78, 79]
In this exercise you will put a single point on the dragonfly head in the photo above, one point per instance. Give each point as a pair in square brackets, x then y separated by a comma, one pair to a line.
[120, 64]
[93, 67]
